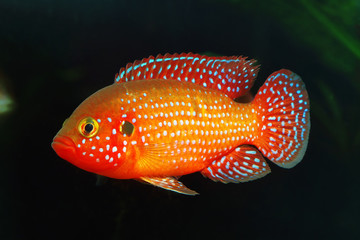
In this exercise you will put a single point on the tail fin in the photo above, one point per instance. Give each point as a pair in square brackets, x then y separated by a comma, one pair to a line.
[283, 107]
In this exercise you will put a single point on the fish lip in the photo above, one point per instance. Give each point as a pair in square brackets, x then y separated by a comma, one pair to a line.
[63, 146]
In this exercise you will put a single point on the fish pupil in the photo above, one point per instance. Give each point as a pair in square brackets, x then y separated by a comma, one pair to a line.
[89, 127]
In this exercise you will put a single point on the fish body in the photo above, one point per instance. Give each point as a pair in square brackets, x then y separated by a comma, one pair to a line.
[173, 115]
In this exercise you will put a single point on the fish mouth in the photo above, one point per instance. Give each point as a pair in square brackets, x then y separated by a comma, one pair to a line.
[64, 147]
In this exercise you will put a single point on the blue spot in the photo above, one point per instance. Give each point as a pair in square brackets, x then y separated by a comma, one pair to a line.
[195, 59]
[209, 62]
[128, 70]
[121, 75]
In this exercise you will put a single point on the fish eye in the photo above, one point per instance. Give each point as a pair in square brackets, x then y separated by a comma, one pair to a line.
[88, 127]
[127, 128]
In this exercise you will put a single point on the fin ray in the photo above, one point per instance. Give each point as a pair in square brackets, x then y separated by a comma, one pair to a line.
[169, 183]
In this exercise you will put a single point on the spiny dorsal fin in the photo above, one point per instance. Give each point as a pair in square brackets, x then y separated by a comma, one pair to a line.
[233, 75]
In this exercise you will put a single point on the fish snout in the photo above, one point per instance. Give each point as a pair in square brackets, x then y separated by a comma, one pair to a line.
[64, 147]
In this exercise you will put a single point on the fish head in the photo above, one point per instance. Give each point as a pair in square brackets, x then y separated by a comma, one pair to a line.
[93, 138]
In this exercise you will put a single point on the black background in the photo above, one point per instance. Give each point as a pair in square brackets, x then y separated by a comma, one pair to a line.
[54, 54]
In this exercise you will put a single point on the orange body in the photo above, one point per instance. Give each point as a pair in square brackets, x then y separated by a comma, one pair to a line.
[179, 129]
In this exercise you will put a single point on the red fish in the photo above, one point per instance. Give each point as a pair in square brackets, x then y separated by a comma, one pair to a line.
[173, 115]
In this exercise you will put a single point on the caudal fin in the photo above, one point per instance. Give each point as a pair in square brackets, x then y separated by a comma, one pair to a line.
[283, 106]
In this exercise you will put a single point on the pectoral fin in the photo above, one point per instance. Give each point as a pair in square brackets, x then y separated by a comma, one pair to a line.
[169, 183]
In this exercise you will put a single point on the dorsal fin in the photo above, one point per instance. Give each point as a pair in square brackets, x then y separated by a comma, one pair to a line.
[234, 75]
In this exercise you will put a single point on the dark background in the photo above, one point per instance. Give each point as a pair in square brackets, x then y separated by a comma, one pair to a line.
[54, 54]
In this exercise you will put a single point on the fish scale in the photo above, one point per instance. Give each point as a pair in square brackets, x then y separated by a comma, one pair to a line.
[173, 115]
[194, 123]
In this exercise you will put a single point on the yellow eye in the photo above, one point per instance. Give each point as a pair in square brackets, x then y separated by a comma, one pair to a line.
[88, 127]
[127, 128]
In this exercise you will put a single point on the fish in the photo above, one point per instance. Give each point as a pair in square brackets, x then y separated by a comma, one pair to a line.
[175, 114]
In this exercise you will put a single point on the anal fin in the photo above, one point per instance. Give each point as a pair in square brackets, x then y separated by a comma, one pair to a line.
[243, 164]
[169, 183]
